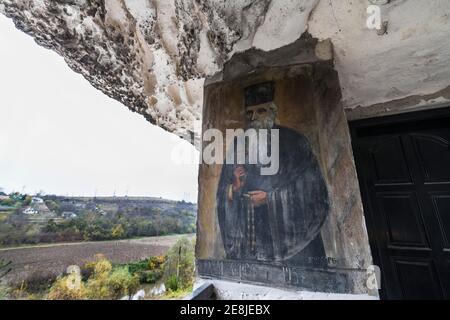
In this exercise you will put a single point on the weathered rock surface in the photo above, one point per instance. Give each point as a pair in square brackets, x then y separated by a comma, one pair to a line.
[153, 55]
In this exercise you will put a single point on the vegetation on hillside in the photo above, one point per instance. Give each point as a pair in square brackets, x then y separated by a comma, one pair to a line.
[93, 227]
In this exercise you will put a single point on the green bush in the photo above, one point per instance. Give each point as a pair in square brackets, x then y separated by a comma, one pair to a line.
[121, 283]
[150, 276]
[172, 283]
[149, 270]
[136, 267]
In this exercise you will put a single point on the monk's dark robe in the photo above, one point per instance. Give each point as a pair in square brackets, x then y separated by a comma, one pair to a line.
[296, 207]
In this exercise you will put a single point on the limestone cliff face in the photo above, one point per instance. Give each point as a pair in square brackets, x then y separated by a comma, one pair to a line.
[153, 55]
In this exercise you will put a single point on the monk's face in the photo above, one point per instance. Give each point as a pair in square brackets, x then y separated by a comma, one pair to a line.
[260, 117]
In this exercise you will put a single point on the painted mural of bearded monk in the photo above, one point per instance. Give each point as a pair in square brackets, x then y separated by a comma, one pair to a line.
[272, 218]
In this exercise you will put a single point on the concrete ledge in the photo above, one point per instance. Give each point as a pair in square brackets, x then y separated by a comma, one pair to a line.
[227, 290]
[205, 291]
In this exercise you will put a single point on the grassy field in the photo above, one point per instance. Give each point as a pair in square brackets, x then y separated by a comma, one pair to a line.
[49, 261]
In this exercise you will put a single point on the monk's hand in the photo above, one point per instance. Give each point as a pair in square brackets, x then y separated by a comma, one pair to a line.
[258, 198]
[238, 173]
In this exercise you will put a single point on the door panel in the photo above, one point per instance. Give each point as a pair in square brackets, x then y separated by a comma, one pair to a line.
[403, 219]
[441, 207]
[403, 165]
[388, 150]
[426, 284]
[434, 157]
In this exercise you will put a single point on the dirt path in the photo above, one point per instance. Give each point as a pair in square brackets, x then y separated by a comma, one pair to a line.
[162, 240]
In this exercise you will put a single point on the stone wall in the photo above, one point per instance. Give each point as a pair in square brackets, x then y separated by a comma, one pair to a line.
[308, 98]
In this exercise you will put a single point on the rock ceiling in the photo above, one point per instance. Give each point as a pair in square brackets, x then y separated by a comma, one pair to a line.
[153, 55]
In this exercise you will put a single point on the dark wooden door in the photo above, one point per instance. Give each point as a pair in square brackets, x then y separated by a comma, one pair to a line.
[403, 165]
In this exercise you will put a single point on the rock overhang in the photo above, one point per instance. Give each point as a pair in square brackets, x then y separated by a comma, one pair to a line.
[153, 55]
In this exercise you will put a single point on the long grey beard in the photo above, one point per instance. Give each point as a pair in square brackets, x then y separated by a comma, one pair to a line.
[266, 124]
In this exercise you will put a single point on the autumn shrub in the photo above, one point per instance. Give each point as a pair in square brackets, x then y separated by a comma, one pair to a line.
[107, 282]
[103, 282]
[97, 285]
[68, 288]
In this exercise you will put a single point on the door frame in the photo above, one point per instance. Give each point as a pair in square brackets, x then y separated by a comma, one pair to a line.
[355, 126]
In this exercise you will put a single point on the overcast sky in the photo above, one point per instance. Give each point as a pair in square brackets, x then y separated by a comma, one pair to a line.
[59, 134]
